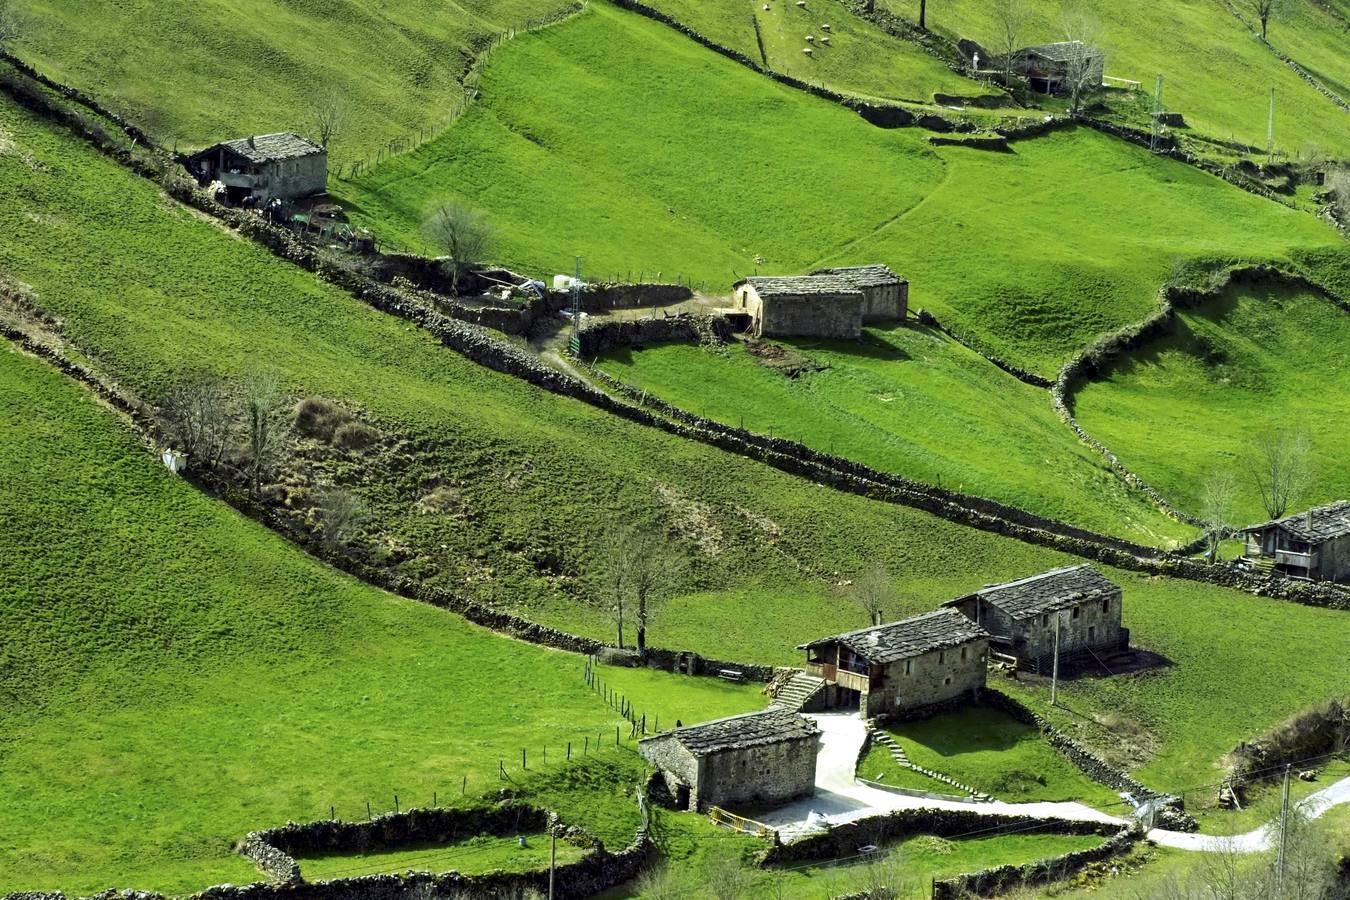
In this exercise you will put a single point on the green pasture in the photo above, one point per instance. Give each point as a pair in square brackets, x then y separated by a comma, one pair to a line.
[992, 752]
[669, 161]
[1256, 361]
[195, 73]
[912, 401]
[859, 58]
[175, 676]
[474, 856]
[1216, 73]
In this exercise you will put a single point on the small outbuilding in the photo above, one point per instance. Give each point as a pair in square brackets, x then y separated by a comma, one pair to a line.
[1313, 544]
[902, 667]
[1023, 616]
[264, 167]
[831, 303]
[1048, 68]
[755, 758]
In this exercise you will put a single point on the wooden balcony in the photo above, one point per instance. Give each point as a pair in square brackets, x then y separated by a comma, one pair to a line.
[1291, 558]
[836, 675]
[237, 180]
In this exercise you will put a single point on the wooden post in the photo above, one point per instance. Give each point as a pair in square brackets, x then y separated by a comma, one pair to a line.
[1054, 668]
[616, 735]
[522, 758]
[434, 804]
[552, 859]
[464, 786]
[368, 815]
[569, 749]
[585, 750]
[396, 803]
[332, 813]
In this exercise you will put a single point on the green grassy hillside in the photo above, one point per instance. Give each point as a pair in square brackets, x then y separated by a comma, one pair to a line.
[1255, 361]
[1218, 75]
[199, 72]
[174, 676]
[859, 59]
[914, 402]
[671, 159]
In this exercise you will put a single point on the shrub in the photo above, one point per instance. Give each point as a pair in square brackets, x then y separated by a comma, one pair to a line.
[354, 436]
[319, 418]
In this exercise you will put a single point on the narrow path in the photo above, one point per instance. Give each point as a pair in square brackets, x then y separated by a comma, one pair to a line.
[1258, 839]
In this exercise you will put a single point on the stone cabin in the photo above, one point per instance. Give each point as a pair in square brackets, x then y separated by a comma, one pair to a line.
[885, 294]
[754, 758]
[1022, 615]
[902, 667]
[1046, 67]
[263, 167]
[832, 303]
[1313, 544]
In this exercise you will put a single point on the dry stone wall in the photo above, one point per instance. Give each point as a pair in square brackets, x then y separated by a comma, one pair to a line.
[994, 882]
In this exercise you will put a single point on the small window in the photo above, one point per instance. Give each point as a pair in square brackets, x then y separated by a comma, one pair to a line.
[947, 680]
[1045, 620]
[942, 656]
[1106, 605]
[909, 666]
[1076, 611]
[963, 654]
[1092, 632]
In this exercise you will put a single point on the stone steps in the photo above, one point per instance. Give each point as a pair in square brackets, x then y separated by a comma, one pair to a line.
[898, 754]
[799, 691]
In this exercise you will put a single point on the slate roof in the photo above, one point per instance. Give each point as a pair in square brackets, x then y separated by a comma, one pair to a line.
[272, 147]
[1327, 523]
[864, 276]
[1062, 51]
[796, 285]
[1047, 592]
[883, 644]
[757, 729]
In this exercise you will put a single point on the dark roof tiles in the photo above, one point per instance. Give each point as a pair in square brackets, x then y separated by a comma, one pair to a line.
[756, 729]
[883, 644]
[1317, 525]
[864, 276]
[800, 285]
[272, 147]
[1048, 592]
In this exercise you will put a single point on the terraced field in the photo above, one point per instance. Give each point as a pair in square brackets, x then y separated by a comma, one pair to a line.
[911, 401]
[1217, 74]
[575, 149]
[1250, 364]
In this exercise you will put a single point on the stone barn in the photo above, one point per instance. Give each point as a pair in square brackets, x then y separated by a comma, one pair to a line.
[828, 306]
[901, 667]
[264, 167]
[1313, 544]
[1023, 615]
[755, 758]
[885, 294]
[1047, 67]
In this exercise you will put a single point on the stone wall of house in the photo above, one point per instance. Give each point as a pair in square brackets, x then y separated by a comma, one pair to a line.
[885, 303]
[293, 179]
[811, 315]
[678, 768]
[683, 328]
[768, 774]
[1085, 626]
[931, 678]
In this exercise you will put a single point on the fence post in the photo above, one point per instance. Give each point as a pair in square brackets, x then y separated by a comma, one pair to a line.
[586, 749]
[332, 813]
[368, 815]
[434, 804]
[396, 803]
[616, 735]
[522, 758]
[569, 749]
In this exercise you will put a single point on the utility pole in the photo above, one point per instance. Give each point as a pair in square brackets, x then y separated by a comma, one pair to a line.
[1284, 833]
[1270, 127]
[1054, 669]
[1157, 114]
[552, 858]
[575, 343]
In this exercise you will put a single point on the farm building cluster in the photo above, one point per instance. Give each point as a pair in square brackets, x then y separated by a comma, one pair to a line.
[905, 669]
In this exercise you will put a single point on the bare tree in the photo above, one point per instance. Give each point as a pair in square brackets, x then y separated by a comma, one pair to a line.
[264, 424]
[329, 113]
[340, 513]
[1010, 18]
[463, 233]
[1265, 10]
[11, 26]
[1216, 509]
[873, 593]
[638, 572]
[1280, 469]
[1083, 65]
[197, 419]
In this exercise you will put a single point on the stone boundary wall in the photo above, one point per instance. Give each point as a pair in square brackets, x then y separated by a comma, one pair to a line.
[1289, 61]
[680, 329]
[391, 831]
[1313, 733]
[882, 115]
[845, 839]
[913, 792]
[276, 864]
[1000, 879]
[926, 318]
[602, 297]
[994, 143]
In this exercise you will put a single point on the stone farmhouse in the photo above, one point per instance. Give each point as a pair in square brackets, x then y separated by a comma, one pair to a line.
[1023, 616]
[1046, 67]
[832, 303]
[1313, 544]
[264, 167]
[760, 757]
[902, 667]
